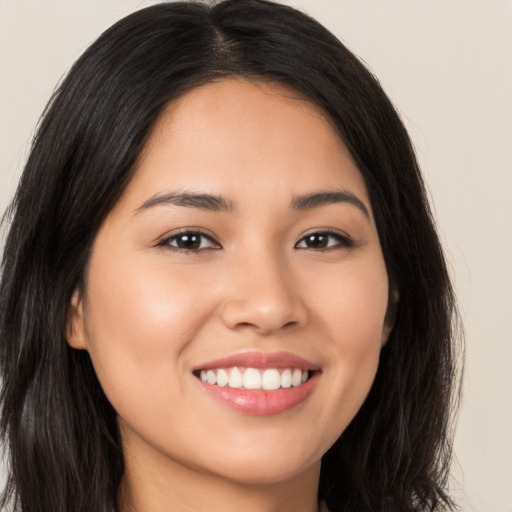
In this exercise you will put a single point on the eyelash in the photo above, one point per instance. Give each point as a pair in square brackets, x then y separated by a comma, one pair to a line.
[342, 241]
[166, 242]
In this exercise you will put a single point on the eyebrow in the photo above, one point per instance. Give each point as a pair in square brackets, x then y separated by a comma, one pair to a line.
[323, 198]
[208, 202]
[218, 203]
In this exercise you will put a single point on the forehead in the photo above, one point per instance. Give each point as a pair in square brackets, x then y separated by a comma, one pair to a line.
[236, 136]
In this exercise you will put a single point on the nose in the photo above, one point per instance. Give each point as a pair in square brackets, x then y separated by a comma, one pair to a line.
[262, 295]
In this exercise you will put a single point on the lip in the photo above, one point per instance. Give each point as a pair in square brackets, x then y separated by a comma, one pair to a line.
[261, 402]
[259, 360]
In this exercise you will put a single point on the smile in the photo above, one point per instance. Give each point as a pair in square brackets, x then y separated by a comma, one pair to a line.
[259, 384]
[269, 379]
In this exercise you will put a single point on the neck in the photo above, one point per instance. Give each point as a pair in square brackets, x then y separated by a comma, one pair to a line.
[170, 487]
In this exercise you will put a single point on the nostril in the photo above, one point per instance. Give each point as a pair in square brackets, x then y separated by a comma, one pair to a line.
[240, 326]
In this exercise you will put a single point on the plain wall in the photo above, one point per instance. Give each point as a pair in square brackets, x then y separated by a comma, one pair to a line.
[447, 65]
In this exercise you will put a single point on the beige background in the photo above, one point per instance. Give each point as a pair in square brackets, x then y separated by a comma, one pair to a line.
[447, 65]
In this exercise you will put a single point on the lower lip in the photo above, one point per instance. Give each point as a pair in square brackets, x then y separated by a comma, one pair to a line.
[260, 402]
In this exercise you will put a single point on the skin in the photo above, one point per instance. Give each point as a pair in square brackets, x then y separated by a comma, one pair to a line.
[150, 313]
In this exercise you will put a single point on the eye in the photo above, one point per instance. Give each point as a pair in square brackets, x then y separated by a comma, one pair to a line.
[189, 241]
[321, 240]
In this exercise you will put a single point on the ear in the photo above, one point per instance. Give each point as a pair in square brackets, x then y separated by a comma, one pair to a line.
[75, 326]
[389, 319]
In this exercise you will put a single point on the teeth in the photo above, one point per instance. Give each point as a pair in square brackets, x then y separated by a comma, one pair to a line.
[235, 378]
[296, 377]
[271, 380]
[222, 378]
[286, 379]
[253, 378]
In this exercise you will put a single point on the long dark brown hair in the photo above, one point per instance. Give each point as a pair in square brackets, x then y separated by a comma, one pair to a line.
[60, 431]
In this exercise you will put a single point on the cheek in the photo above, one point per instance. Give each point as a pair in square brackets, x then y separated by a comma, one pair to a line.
[138, 327]
[351, 311]
[353, 305]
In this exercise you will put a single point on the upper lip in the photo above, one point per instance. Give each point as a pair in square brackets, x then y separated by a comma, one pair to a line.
[260, 360]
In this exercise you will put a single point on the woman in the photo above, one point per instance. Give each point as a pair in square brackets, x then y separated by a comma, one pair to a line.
[222, 287]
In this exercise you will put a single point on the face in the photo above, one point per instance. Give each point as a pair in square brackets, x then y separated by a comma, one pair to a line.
[235, 299]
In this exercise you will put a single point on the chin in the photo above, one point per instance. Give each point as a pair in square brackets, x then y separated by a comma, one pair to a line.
[266, 476]
[259, 468]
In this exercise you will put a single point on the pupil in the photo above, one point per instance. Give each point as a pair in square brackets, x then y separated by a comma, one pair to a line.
[189, 242]
[316, 240]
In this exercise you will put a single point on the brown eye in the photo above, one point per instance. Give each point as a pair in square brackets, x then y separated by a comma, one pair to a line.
[190, 241]
[316, 241]
[324, 240]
